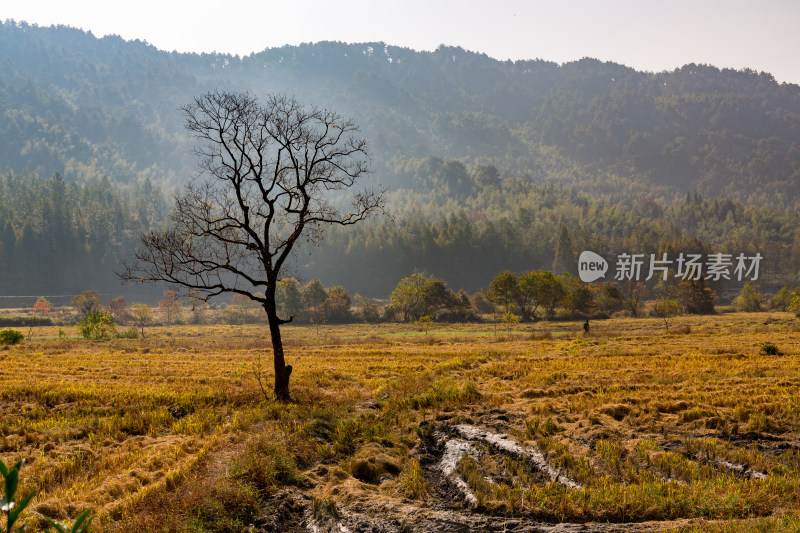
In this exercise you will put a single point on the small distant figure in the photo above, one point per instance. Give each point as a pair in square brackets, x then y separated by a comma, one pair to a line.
[586, 327]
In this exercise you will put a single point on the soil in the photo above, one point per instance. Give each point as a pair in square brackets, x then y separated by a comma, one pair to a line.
[294, 512]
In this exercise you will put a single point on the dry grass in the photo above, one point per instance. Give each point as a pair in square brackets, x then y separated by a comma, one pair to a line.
[170, 431]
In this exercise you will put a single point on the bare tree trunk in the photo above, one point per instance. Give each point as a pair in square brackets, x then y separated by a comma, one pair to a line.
[282, 371]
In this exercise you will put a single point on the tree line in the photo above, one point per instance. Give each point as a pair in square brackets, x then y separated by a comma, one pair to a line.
[60, 236]
[518, 225]
[510, 297]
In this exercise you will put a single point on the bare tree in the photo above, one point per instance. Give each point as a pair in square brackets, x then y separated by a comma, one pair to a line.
[271, 170]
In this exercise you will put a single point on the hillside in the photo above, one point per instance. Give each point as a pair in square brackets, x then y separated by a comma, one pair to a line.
[88, 107]
[484, 159]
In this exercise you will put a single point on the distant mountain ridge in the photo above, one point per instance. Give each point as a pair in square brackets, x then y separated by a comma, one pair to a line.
[86, 107]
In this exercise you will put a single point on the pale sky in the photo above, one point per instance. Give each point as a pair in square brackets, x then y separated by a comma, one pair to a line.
[643, 34]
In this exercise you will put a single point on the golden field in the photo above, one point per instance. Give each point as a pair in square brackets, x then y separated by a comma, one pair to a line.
[690, 430]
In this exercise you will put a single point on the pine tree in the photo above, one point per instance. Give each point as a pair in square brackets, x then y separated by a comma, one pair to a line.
[564, 260]
[8, 261]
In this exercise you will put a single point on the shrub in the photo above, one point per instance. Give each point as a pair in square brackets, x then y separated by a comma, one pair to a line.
[770, 348]
[749, 300]
[10, 336]
[42, 305]
[97, 325]
[781, 301]
[794, 303]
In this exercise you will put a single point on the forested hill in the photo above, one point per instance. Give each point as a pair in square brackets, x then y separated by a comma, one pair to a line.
[86, 108]
[488, 162]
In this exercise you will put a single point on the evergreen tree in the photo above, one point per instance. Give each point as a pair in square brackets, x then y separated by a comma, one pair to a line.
[565, 258]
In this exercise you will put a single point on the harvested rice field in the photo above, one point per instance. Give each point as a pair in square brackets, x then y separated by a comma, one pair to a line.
[471, 427]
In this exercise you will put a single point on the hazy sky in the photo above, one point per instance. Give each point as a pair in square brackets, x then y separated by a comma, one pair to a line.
[644, 34]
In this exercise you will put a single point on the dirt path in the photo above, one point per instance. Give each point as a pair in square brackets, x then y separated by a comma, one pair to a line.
[296, 512]
[451, 506]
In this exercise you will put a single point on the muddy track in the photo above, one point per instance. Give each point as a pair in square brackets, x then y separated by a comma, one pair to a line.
[445, 445]
[294, 512]
[451, 506]
[501, 444]
[763, 442]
